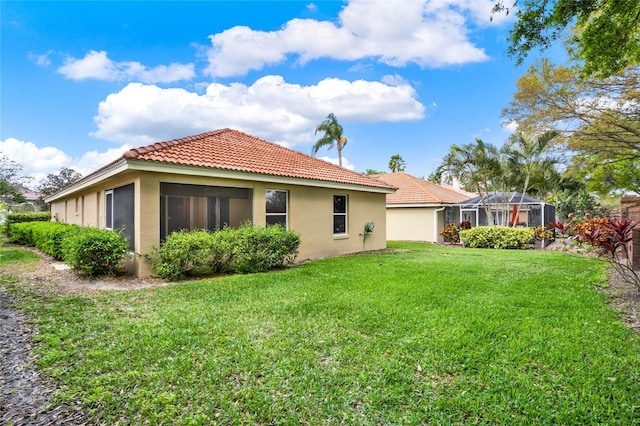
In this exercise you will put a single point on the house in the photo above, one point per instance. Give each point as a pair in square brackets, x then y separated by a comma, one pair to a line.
[226, 178]
[506, 208]
[419, 210]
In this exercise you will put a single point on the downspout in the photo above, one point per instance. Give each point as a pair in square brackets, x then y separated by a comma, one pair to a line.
[435, 222]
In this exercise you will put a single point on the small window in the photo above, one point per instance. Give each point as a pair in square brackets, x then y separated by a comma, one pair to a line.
[339, 214]
[276, 207]
[108, 203]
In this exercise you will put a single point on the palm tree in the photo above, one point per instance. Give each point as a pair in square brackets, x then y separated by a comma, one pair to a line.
[530, 151]
[332, 133]
[397, 164]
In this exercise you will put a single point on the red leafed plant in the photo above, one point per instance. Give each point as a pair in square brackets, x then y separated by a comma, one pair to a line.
[610, 238]
[562, 226]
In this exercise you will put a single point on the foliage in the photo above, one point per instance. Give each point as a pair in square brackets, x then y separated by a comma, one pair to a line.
[562, 226]
[373, 172]
[397, 164]
[599, 120]
[12, 218]
[435, 336]
[11, 181]
[592, 231]
[487, 170]
[244, 250]
[91, 251]
[56, 181]
[605, 37]
[496, 237]
[95, 252]
[611, 239]
[450, 233]
[465, 224]
[578, 205]
[542, 233]
[332, 134]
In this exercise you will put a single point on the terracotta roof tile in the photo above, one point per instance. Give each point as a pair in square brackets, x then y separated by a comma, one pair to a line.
[413, 190]
[228, 149]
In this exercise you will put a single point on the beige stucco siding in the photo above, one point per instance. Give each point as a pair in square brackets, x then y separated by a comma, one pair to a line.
[310, 213]
[412, 224]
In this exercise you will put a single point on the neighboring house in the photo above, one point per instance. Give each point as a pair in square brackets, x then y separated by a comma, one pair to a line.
[226, 178]
[504, 210]
[419, 210]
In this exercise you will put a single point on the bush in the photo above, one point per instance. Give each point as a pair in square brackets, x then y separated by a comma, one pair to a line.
[95, 252]
[497, 237]
[450, 233]
[258, 249]
[24, 217]
[184, 252]
[45, 236]
[244, 250]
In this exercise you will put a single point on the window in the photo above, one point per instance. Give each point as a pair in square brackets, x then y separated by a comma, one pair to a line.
[108, 202]
[186, 206]
[276, 207]
[120, 212]
[339, 214]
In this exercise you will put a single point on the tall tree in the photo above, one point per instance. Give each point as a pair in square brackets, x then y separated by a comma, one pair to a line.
[530, 152]
[599, 119]
[397, 164]
[332, 133]
[56, 181]
[478, 168]
[605, 32]
[11, 182]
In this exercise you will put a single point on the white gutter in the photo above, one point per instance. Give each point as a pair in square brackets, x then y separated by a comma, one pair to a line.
[435, 222]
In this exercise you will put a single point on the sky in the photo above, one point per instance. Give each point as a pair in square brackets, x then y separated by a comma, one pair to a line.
[81, 82]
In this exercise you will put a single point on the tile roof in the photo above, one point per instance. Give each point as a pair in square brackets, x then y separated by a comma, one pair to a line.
[229, 149]
[413, 190]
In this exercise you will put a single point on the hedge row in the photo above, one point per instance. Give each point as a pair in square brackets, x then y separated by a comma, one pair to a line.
[90, 251]
[12, 218]
[497, 237]
[247, 249]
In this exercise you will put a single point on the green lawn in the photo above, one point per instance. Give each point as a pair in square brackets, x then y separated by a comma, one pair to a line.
[421, 335]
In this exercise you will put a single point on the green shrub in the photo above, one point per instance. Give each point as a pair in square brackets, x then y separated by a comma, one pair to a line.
[497, 237]
[12, 218]
[183, 253]
[45, 236]
[95, 252]
[258, 249]
[243, 250]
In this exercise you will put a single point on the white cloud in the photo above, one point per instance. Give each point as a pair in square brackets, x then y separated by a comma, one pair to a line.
[271, 108]
[430, 33]
[37, 162]
[41, 60]
[96, 65]
[510, 126]
[345, 162]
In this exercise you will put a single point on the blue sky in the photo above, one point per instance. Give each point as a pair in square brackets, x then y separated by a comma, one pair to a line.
[81, 82]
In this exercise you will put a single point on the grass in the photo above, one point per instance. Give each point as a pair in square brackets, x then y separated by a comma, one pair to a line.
[422, 335]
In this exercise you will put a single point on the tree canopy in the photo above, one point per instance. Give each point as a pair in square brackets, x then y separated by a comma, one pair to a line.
[599, 120]
[397, 164]
[605, 36]
[11, 182]
[56, 181]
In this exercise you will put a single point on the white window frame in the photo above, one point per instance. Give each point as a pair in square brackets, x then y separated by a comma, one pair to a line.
[345, 214]
[108, 214]
[286, 206]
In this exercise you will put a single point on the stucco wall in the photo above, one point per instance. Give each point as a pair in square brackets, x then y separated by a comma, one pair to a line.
[310, 211]
[412, 224]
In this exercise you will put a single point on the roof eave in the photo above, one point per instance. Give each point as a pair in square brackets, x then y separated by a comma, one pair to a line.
[106, 172]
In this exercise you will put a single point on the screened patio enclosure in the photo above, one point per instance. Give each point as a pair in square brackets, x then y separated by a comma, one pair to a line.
[506, 209]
